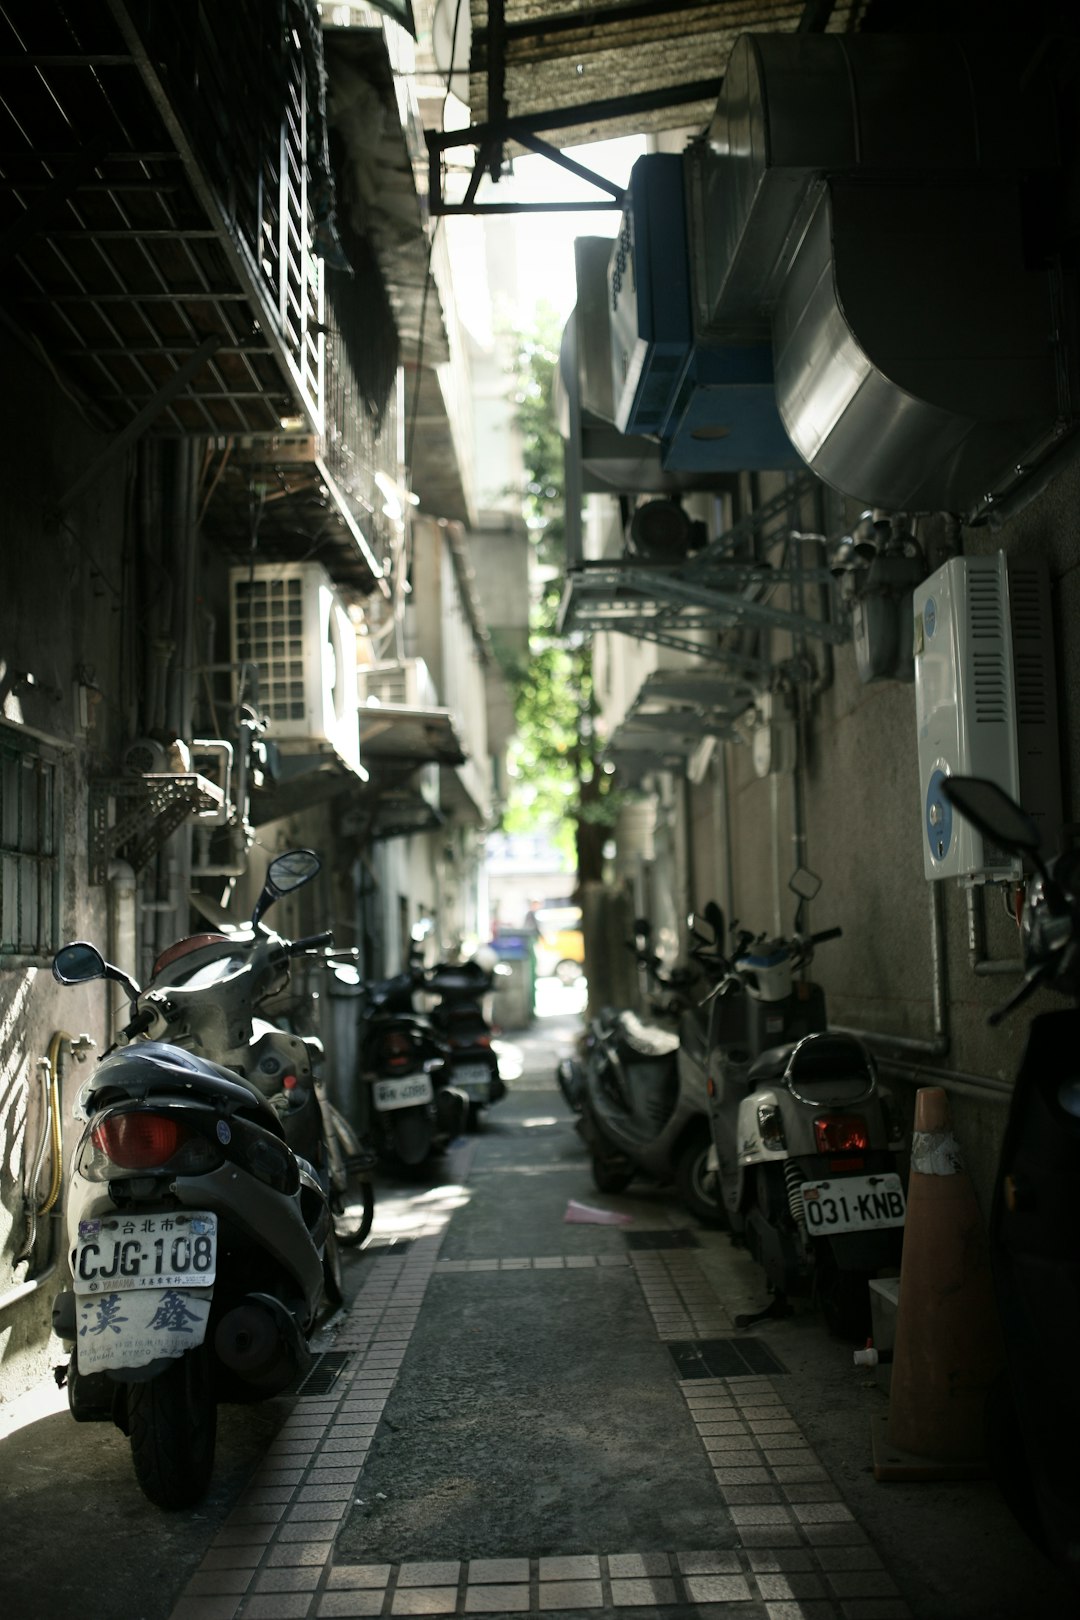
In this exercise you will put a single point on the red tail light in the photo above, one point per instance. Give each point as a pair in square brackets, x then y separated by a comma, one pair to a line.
[397, 1051]
[139, 1141]
[841, 1133]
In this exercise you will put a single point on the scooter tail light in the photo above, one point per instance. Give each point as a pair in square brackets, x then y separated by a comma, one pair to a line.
[841, 1133]
[140, 1140]
[397, 1051]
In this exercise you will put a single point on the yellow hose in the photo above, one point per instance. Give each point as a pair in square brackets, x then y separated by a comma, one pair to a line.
[55, 1134]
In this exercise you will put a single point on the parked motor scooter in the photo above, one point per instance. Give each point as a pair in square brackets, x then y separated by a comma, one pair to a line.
[459, 1018]
[411, 1110]
[639, 1109]
[1034, 1227]
[200, 1239]
[806, 1138]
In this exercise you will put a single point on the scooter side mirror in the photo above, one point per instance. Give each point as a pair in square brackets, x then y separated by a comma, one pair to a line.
[78, 963]
[993, 813]
[81, 963]
[804, 883]
[714, 916]
[284, 874]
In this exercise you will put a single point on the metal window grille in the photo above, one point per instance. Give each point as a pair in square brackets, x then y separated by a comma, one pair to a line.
[29, 850]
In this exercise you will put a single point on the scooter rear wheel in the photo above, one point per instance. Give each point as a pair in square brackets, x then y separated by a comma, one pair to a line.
[172, 1423]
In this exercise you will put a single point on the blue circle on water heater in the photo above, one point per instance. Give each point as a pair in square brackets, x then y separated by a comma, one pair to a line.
[938, 818]
[929, 615]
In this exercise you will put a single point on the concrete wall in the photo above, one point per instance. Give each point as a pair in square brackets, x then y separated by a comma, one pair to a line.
[863, 831]
[65, 591]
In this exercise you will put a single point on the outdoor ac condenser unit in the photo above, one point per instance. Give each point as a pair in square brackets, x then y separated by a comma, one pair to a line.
[289, 621]
[984, 697]
[405, 682]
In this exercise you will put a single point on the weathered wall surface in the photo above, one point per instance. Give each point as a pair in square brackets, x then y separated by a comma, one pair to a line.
[863, 823]
[63, 598]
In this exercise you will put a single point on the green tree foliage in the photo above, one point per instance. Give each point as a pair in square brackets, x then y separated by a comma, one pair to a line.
[559, 784]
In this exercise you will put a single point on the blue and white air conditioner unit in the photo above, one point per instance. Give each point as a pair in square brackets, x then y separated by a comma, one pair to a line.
[712, 405]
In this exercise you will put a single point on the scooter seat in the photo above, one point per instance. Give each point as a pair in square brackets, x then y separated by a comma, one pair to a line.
[769, 1065]
[155, 1069]
[645, 1039]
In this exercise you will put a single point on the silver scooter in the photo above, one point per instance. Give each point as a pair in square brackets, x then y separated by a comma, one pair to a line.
[640, 1109]
[200, 1242]
[807, 1141]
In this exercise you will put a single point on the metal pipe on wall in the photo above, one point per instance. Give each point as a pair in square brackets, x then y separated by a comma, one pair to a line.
[976, 929]
[938, 1044]
[983, 1086]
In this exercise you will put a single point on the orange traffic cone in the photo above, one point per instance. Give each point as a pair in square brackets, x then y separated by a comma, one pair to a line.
[948, 1344]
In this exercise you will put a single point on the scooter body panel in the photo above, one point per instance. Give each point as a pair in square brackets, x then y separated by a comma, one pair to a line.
[1035, 1256]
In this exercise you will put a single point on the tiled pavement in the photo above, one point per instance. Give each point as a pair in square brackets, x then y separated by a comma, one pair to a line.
[795, 1548]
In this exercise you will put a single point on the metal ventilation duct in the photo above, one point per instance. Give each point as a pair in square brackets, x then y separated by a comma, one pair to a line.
[919, 361]
[906, 378]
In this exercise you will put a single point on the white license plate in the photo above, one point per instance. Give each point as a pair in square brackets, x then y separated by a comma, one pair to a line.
[852, 1204]
[115, 1254]
[403, 1093]
[473, 1078]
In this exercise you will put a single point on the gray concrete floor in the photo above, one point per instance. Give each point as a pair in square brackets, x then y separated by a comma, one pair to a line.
[509, 1432]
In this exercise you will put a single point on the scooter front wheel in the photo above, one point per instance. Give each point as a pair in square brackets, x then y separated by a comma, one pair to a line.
[172, 1423]
[693, 1184]
[353, 1210]
[612, 1175]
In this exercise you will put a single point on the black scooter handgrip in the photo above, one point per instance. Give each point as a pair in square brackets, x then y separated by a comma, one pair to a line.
[313, 941]
[826, 933]
[139, 1024]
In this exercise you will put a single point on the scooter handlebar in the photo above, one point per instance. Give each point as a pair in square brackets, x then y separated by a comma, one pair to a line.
[313, 942]
[825, 934]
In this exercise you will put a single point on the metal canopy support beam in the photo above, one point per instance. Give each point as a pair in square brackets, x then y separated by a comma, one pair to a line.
[47, 203]
[498, 130]
[138, 424]
[734, 608]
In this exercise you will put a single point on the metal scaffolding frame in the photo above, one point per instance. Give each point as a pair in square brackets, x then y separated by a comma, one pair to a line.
[688, 605]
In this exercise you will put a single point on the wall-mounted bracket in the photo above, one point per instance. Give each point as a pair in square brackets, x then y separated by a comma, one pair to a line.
[148, 810]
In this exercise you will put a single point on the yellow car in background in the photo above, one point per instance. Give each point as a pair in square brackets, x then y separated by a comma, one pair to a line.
[560, 945]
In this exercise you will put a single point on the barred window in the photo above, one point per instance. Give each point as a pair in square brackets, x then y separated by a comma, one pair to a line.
[29, 848]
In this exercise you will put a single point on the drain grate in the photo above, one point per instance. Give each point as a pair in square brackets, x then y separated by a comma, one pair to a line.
[325, 1373]
[723, 1358]
[680, 1238]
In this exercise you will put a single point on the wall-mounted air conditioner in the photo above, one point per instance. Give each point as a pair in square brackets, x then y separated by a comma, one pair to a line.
[985, 705]
[406, 683]
[289, 621]
[713, 405]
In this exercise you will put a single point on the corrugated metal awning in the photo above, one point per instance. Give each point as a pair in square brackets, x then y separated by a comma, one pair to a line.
[568, 74]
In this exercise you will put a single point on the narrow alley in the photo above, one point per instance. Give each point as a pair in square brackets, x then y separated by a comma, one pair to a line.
[526, 1409]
